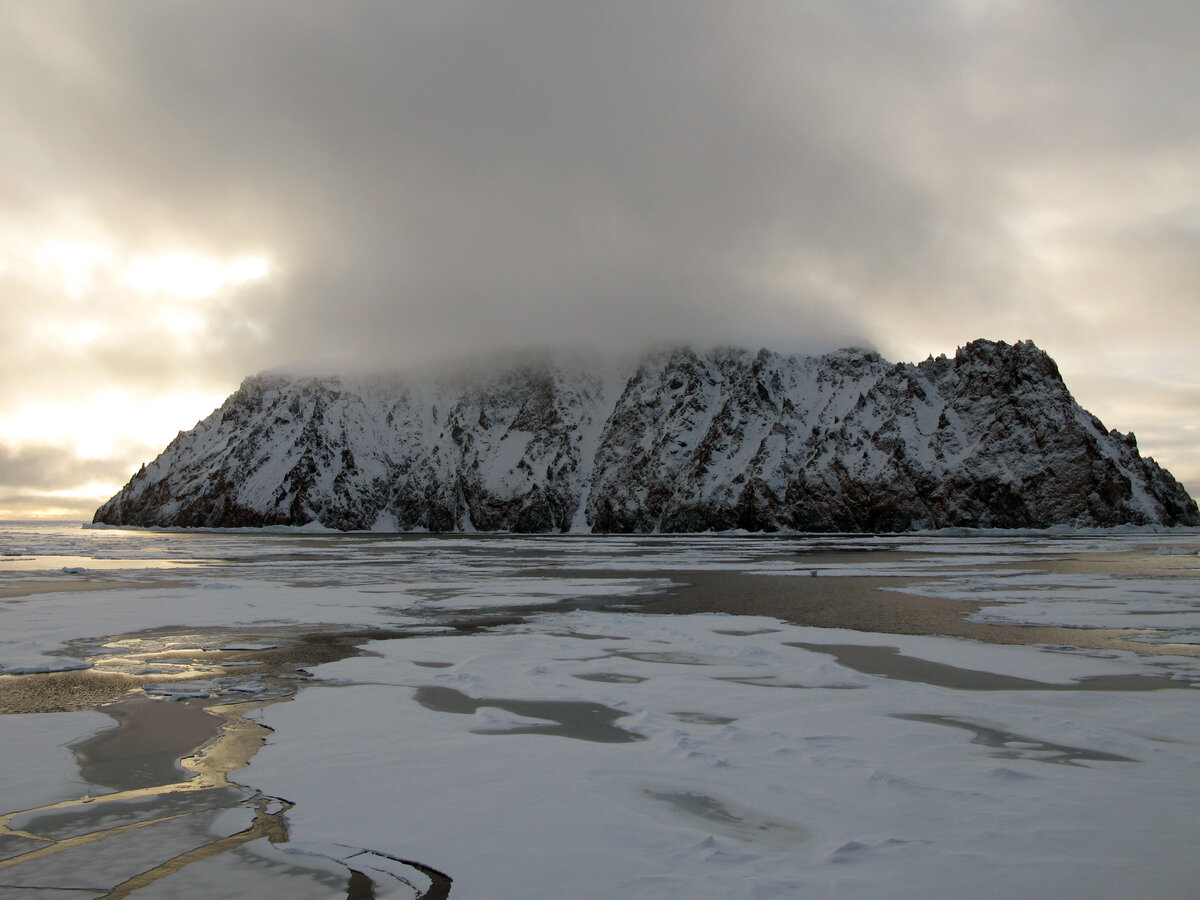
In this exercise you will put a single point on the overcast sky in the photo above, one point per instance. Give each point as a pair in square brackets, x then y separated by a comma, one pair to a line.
[191, 192]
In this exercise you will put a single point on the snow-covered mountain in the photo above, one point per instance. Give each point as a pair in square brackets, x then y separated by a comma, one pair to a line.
[683, 441]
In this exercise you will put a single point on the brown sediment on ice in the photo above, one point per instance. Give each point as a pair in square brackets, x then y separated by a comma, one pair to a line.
[239, 739]
[872, 604]
[269, 650]
[62, 691]
[273, 653]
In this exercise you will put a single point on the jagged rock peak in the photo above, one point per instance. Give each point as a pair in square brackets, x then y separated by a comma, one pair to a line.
[679, 440]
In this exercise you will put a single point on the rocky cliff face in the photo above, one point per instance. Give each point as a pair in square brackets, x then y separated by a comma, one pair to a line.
[686, 442]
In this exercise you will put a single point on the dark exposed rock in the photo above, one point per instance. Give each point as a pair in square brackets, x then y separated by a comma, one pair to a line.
[689, 441]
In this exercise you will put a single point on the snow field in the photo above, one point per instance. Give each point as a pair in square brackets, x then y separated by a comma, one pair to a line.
[812, 787]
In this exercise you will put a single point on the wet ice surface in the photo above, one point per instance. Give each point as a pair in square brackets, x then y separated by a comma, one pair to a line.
[36, 764]
[889, 662]
[1017, 746]
[1164, 611]
[515, 735]
[136, 824]
[578, 719]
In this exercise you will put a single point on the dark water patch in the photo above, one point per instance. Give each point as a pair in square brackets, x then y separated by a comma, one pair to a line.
[611, 678]
[699, 718]
[852, 553]
[889, 662]
[736, 632]
[359, 887]
[429, 664]
[1010, 745]
[586, 637]
[774, 681]
[579, 719]
[483, 622]
[663, 657]
[145, 748]
[383, 864]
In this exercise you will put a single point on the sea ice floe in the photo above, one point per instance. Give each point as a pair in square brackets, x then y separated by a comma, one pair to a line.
[182, 690]
[890, 789]
[31, 661]
[851, 787]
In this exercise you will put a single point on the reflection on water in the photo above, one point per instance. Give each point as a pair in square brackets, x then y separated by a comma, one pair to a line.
[145, 747]
[744, 632]
[81, 565]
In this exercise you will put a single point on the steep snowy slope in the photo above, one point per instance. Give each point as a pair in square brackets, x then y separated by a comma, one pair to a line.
[686, 441]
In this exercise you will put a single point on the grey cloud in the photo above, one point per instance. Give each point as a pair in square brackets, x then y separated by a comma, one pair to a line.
[467, 181]
[40, 467]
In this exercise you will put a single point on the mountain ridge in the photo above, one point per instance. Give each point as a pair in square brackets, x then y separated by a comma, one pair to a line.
[682, 441]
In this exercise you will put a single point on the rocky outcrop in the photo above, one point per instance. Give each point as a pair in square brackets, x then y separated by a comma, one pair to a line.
[687, 441]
